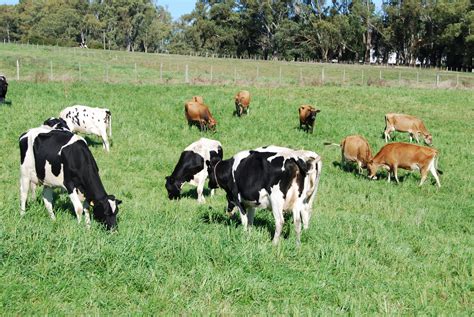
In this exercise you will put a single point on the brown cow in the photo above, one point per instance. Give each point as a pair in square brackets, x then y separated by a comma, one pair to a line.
[307, 117]
[407, 156]
[406, 123]
[198, 99]
[242, 102]
[199, 114]
[354, 148]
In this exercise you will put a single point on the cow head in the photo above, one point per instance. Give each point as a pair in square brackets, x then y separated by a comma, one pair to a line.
[212, 123]
[3, 87]
[372, 170]
[211, 171]
[106, 210]
[173, 187]
[428, 139]
[56, 123]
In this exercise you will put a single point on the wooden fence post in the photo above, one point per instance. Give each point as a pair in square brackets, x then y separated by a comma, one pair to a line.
[457, 80]
[17, 70]
[380, 75]
[186, 75]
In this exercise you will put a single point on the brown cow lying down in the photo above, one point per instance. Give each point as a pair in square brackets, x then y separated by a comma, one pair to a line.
[200, 115]
[406, 123]
[355, 148]
[407, 156]
[242, 102]
[307, 117]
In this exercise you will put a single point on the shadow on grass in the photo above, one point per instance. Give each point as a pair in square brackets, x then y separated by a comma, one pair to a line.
[350, 167]
[192, 193]
[93, 141]
[263, 219]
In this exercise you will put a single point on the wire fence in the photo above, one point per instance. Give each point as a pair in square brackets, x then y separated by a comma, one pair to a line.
[49, 63]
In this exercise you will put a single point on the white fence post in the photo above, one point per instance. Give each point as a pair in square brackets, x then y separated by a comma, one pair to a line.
[17, 70]
[380, 75]
[457, 80]
[322, 75]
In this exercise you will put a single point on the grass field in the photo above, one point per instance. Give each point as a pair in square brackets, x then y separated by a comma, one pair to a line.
[372, 247]
[51, 63]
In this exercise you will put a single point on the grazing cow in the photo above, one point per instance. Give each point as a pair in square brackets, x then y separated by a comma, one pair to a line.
[242, 102]
[198, 99]
[3, 88]
[406, 123]
[192, 167]
[354, 148]
[307, 117]
[85, 119]
[407, 156]
[272, 177]
[199, 114]
[59, 158]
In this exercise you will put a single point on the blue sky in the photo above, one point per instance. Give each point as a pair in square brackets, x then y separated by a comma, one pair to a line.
[176, 7]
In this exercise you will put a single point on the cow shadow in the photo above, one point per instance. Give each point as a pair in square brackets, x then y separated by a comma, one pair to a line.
[192, 193]
[263, 219]
[350, 168]
[93, 141]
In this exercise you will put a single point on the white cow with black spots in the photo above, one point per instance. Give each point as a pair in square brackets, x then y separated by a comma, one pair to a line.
[89, 120]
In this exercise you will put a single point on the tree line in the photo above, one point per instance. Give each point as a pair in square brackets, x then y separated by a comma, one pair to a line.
[408, 32]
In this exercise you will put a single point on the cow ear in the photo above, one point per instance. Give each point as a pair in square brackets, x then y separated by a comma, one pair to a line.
[317, 110]
[118, 201]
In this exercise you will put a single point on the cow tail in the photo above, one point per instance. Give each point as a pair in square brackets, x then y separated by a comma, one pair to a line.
[329, 143]
[108, 116]
[436, 165]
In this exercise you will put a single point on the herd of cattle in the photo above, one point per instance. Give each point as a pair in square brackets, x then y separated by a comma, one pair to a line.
[272, 177]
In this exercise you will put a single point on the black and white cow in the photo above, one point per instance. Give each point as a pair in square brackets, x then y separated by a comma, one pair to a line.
[3, 88]
[276, 178]
[191, 167]
[56, 123]
[89, 120]
[59, 158]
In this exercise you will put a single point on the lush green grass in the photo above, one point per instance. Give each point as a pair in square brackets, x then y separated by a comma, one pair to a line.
[50, 63]
[372, 247]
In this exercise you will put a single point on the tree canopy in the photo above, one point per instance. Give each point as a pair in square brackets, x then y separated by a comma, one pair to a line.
[429, 32]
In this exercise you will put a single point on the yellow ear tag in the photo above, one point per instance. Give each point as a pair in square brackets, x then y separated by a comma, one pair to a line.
[91, 203]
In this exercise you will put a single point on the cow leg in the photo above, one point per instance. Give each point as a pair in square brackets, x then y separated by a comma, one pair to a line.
[417, 138]
[424, 174]
[395, 173]
[76, 202]
[213, 192]
[277, 209]
[306, 215]
[297, 211]
[200, 189]
[359, 165]
[33, 190]
[244, 219]
[48, 201]
[250, 215]
[24, 188]
[387, 134]
[434, 172]
[311, 129]
[87, 215]
[105, 143]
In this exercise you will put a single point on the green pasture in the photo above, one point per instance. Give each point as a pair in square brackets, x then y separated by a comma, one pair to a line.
[51, 63]
[372, 247]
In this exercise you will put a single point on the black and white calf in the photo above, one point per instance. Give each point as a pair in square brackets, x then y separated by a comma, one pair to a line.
[3, 88]
[59, 158]
[276, 178]
[89, 120]
[56, 123]
[191, 167]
